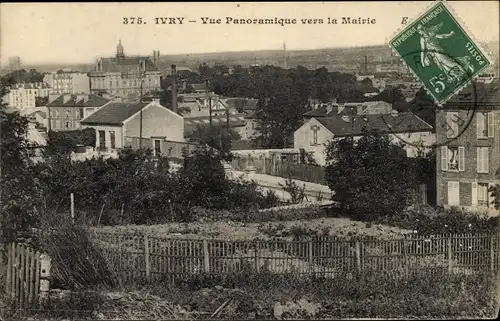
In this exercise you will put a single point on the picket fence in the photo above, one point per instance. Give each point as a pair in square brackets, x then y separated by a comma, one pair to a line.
[22, 277]
[142, 257]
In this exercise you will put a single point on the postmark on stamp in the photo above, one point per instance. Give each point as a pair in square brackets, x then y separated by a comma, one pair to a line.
[439, 52]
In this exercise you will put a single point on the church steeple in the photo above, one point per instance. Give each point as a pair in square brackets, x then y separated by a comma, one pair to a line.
[119, 50]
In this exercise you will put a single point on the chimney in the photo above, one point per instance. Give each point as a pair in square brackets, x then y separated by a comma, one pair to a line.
[174, 89]
[329, 108]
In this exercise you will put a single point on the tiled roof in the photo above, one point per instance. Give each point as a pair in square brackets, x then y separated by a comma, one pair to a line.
[114, 113]
[78, 100]
[402, 123]
[481, 95]
[127, 64]
[241, 104]
[190, 124]
[30, 85]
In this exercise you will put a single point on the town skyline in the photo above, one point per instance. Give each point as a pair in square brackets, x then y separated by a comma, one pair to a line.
[78, 31]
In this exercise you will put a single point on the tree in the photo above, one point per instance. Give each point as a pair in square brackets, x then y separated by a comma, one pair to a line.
[216, 137]
[19, 186]
[424, 106]
[495, 192]
[370, 178]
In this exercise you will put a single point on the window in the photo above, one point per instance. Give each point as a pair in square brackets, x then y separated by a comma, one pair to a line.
[68, 124]
[117, 85]
[480, 194]
[482, 160]
[112, 139]
[110, 83]
[452, 158]
[67, 113]
[81, 113]
[485, 125]
[57, 113]
[314, 130]
[452, 124]
[102, 139]
[157, 147]
[453, 193]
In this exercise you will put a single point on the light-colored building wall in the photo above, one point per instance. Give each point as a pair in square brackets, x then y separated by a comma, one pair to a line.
[68, 82]
[157, 121]
[304, 138]
[123, 85]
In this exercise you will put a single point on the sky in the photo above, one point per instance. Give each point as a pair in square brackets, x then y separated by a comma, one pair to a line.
[82, 32]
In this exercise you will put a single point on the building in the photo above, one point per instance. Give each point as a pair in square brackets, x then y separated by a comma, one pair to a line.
[24, 95]
[349, 108]
[66, 111]
[403, 128]
[198, 104]
[72, 82]
[234, 122]
[14, 63]
[469, 156]
[125, 76]
[146, 125]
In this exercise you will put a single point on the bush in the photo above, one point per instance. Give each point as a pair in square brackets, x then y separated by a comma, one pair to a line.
[427, 221]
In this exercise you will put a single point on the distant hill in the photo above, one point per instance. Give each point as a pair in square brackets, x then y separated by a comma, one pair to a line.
[315, 58]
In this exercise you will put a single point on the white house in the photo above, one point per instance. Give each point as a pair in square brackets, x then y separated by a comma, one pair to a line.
[118, 125]
[314, 135]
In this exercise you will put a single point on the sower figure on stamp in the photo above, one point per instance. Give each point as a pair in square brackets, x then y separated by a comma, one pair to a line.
[433, 53]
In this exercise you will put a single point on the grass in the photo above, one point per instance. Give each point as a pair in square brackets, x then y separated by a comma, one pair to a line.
[248, 231]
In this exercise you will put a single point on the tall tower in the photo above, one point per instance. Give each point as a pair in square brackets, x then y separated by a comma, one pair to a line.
[119, 50]
[284, 55]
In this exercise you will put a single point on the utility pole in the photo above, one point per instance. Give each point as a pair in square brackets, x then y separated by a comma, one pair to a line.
[209, 103]
[143, 74]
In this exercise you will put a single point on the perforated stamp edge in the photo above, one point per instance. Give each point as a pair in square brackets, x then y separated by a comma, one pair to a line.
[461, 24]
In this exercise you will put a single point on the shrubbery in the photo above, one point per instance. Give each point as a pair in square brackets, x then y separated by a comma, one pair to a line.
[427, 221]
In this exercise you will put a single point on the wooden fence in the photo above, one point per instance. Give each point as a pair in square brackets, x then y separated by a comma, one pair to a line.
[151, 258]
[22, 278]
[269, 166]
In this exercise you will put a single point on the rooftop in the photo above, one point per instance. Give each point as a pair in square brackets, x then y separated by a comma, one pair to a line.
[190, 124]
[78, 100]
[405, 122]
[126, 65]
[30, 85]
[485, 96]
[114, 113]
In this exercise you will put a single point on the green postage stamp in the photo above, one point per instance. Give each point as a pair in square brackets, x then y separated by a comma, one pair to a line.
[439, 52]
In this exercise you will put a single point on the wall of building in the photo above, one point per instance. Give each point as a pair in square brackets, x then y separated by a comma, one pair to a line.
[157, 121]
[119, 141]
[303, 138]
[123, 85]
[68, 83]
[469, 175]
[68, 118]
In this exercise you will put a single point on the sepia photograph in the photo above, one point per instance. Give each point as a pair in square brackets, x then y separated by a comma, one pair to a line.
[250, 160]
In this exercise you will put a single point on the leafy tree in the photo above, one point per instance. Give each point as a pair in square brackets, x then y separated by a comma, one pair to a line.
[370, 178]
[216, 137]
[19, 192]
[424, 107]
[495, 192]
[391, 95]
[65, 142]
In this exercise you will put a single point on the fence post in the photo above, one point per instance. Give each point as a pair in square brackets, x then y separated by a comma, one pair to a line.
[257, 252]
[492, 252]
[450, 256]
[146, 258]
[206, 258]
[45, 265]
[358, 256]
[311, 260]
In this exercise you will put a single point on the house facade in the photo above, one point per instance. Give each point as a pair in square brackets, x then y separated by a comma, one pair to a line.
[66, 111]
[147, 125]
[405, 129]
[68, 82]
[24, 95]
[121, 76]
[468, 160]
